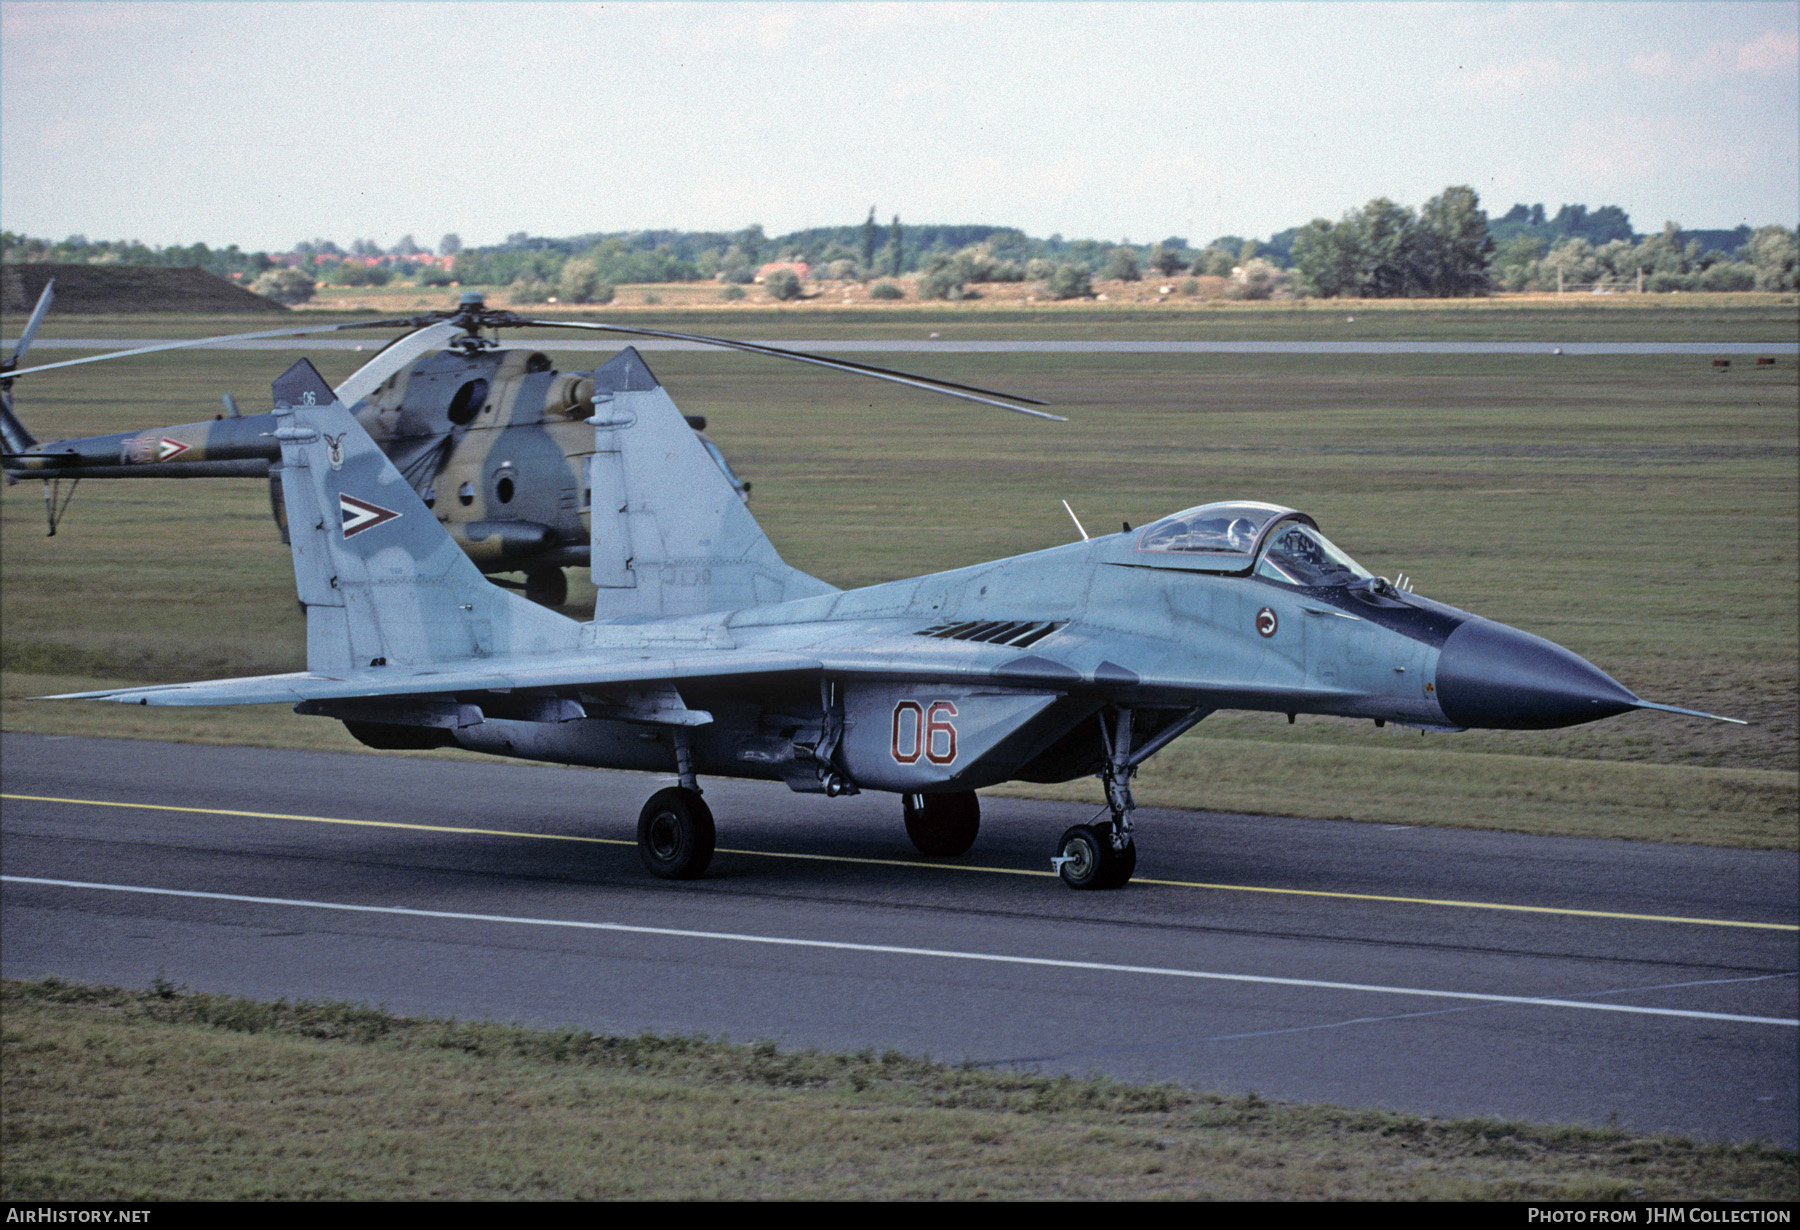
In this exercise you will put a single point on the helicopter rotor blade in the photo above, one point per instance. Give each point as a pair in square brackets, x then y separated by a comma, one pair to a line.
[45, 298]
[391, 358]
[210, 341]
[949, 388]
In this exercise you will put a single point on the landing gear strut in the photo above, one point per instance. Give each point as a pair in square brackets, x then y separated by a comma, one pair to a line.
[1103, 855]
[942, 825]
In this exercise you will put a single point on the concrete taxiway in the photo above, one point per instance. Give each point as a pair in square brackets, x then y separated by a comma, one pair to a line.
[1428, 970]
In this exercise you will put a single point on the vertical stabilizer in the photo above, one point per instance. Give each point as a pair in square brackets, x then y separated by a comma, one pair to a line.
[382, 582]
[670, 534]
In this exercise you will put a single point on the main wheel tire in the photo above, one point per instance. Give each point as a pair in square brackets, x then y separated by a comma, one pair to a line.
[1123, 864]
[675, 834]
[1087, 857]
[942, 825]
[547, 586]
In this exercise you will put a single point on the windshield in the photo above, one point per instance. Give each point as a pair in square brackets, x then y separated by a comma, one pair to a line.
[1300, 555]
[1229, 528]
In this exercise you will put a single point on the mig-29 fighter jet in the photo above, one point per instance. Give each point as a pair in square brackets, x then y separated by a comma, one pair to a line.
[708, 655]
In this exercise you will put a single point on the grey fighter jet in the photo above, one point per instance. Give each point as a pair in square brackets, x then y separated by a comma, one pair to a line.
[708, 655]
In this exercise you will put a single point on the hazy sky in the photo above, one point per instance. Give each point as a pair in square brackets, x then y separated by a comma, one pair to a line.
[262, 124]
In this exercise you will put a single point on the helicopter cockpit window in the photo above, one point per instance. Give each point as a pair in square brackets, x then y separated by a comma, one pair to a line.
[1299, 555]
[1229, 528]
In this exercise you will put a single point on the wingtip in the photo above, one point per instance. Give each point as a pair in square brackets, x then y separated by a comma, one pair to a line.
[106, 695]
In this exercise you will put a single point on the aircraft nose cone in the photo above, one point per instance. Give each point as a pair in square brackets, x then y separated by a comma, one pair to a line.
[1493, 676]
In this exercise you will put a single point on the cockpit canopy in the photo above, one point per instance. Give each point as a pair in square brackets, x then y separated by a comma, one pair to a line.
[1231, 528]
[1237, 536]
[1297, 554]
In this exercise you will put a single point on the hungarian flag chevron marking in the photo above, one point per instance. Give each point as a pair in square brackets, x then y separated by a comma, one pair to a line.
[360, 515]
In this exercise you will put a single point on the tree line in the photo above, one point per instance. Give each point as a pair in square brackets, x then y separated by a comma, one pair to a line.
[1448, 247]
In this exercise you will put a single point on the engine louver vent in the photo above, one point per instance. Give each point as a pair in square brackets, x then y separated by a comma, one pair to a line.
[1017, 633]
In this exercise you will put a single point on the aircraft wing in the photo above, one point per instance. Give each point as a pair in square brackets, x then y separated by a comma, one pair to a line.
[594, 667]
[572, 670]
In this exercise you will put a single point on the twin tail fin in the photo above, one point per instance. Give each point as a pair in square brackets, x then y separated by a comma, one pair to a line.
[382, 581]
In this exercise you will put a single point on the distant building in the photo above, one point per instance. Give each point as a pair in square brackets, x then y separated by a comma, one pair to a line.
[801, 269]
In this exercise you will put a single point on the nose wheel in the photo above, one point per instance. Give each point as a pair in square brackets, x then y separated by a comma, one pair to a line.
[1087, 858]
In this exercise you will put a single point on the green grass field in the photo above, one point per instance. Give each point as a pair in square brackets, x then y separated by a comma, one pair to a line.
[1641, 511]
[161, 1095]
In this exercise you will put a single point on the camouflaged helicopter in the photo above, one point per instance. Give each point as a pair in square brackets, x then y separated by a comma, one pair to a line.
[708, 654]
[493, 440]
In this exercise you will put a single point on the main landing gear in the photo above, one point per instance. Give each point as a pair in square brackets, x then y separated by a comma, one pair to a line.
[675, 834]
[942, 825]
[675, 830]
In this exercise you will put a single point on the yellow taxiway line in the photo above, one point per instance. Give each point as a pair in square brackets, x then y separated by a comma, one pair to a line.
[896, 862]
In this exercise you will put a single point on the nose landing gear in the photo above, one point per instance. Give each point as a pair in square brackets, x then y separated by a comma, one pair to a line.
[1103, 855]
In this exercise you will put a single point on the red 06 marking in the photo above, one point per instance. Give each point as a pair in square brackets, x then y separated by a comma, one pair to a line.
[1266, 622]
[930, 733]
